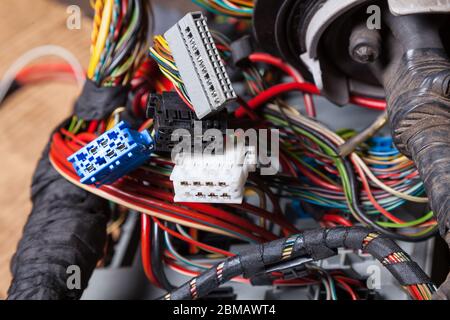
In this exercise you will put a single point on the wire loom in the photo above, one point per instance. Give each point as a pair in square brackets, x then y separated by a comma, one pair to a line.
[66, 227]
[317, 244]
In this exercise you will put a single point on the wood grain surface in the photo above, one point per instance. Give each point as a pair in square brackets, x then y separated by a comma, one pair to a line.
[27, 117]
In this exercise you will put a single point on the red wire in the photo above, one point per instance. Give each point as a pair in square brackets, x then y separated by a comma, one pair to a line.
[146, 249]
[337, 219]
[192, 241]
[269, 59]
[347, 288]
[288, 165]
[275, 91]
[279, 89]
[316, 180]
[210, 219]
[214, 212]
[167, 209]
[368, 103]
[43, 68]
[178, 211]
[278, 219]
[415, 292]
[372, 199]
[92, 126]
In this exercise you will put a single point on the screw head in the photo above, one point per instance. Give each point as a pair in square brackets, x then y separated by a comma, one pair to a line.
[365, 54]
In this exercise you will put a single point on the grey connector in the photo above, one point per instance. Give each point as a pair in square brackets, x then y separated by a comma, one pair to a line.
[201, 69]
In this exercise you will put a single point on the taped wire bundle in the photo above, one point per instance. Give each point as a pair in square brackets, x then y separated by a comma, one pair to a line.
[317, 244]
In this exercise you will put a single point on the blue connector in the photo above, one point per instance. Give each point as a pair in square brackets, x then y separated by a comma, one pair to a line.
[382, 146]
[112, 155]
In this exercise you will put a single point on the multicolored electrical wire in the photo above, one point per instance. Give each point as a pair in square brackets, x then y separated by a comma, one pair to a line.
[119, 39]
[367, 187]
[160, 52]
[231, 8]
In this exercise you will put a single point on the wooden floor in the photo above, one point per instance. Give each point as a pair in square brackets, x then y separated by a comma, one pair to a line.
[27, 118]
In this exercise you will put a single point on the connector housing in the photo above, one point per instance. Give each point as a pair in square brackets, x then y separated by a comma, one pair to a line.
[213, 178]
[198, 61]
[112, 155]
[169, 113]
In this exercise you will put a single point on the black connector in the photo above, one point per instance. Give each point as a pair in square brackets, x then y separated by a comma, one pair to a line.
[169, 113]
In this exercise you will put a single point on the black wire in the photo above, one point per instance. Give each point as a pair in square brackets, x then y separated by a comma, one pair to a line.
[157, 257]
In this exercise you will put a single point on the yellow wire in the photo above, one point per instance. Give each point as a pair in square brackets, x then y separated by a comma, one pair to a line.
[163, 42]
[113, 118]
[98, 7]
[101, 40]
[170, 76]
[169, 63]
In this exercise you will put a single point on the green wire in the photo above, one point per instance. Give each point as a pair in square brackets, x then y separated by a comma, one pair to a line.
[72, 123]
[338, 161]
[421, 220]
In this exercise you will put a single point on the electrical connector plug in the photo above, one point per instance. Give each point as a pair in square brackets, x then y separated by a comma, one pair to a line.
[199, 64]
[169, 113]
[213, 178]
[112, 155]
[382, 146]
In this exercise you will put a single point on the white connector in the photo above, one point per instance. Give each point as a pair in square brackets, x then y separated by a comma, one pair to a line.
[213, 178]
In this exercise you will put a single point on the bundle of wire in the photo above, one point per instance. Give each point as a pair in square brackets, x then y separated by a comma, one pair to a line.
[160, 52]
[312, 170]
[310, 151]
[119, 39]
[315, 244]
[231, 8]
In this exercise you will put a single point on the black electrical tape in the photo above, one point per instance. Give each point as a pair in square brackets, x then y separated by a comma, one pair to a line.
[355, 237]
[272, 251]
[315, 244]
[336, 237]
[66, 227]
[231, 269]
[96, 103]
[318, 243]
[182, 293]
[299, 246]
[402, 272]
[380, 248]
[203, 283]
[252, 261]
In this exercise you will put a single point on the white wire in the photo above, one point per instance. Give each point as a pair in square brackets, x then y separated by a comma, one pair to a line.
[35, 53]
[339, 141]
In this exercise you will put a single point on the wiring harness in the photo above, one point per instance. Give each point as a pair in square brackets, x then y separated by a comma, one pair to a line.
[343, 180]
[316, 244]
